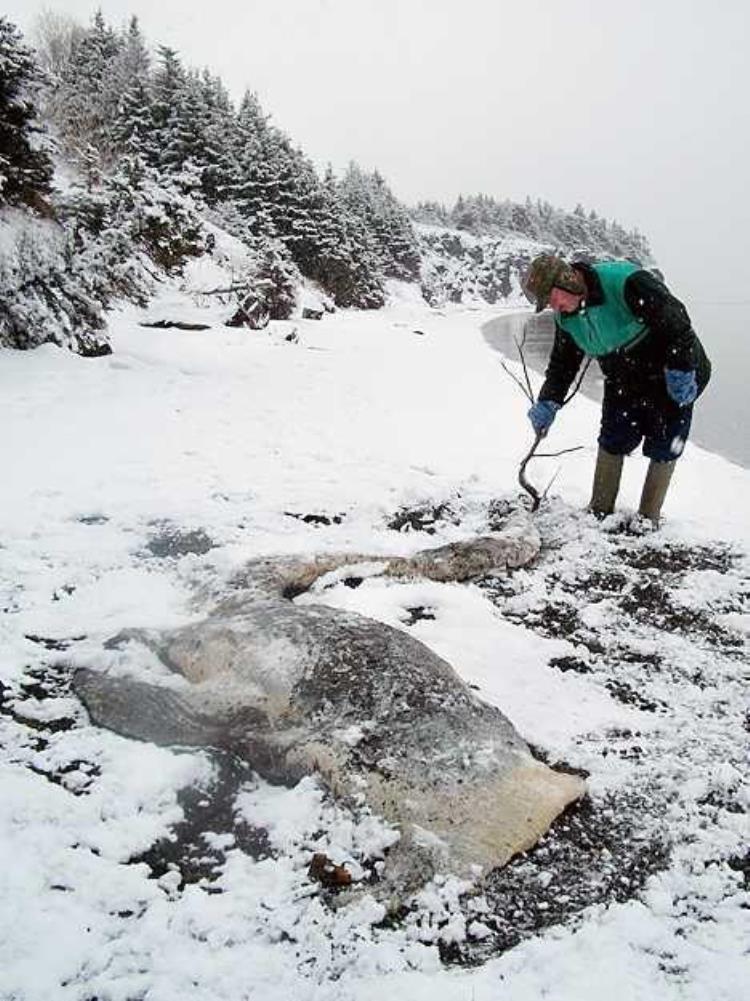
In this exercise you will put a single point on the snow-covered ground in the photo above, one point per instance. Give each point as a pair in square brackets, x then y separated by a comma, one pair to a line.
[136, 484]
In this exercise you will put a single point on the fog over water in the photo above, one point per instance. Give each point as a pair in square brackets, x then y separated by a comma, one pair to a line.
[721, 416]
[722, 421]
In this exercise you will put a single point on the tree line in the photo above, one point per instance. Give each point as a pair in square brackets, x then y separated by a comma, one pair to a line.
[109, 98]
[159, 148]
[585, 232]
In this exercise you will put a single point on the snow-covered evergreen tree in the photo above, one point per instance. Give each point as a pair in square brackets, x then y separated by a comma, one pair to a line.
[25, 166]
[45, 293]
[131, 71]
[369, 198]
[276, 188]
[251, 169]
[431, 213]
[348, 262]
[218, 163]
[167, 110]
[186, 147]
[576, 232]
[275, 266]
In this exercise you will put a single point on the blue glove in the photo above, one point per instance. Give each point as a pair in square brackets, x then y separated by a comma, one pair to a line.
[681, 386]
[542, 414]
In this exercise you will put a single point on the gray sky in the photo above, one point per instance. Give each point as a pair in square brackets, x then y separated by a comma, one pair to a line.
[639, 111]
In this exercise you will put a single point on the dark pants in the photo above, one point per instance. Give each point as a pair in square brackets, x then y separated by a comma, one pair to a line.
[649, 415]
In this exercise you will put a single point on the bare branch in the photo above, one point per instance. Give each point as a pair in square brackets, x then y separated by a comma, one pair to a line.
[529, 487]
[579, 380]
[258, 284]
[554, 455]
[547, 488]
[526, 392]
[522, 356]
[223, 291]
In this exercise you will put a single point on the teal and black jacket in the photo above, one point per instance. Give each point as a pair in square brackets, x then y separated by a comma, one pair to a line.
[635, 328]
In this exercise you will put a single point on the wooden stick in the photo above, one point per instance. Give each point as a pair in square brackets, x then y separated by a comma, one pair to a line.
[529, 396]
[519, 348]
[577, 386]
[261, 283]
[529, 487]
[554, 455]
[536, 497]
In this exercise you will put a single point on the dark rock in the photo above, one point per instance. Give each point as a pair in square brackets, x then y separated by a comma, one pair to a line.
[316, 519]
[208, 807]
[53, 643]
[418, 613]
[423, 518]
[171, 541]
[91, 346]
[570, 664]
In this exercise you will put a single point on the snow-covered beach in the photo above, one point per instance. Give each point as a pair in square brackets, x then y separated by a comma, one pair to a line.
[137, 483]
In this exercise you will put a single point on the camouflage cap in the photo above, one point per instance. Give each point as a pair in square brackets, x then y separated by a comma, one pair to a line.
[547, 272]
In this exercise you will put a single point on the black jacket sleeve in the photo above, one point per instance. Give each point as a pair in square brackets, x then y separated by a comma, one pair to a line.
[665, 316]
[564, 361]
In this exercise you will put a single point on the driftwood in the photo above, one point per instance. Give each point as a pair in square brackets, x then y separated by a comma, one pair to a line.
[252, 310]
[262, 284]
[179, 324]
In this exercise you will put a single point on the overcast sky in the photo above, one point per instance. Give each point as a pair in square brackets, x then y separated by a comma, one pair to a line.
[639, 111]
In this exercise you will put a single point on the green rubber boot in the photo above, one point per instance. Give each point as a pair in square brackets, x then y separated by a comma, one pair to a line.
[606, 483]
[655, 488]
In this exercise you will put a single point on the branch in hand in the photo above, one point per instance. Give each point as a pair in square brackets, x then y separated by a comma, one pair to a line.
[554, 455]
[522, 356]
[526, 392]
[526, 389]
[530, 489]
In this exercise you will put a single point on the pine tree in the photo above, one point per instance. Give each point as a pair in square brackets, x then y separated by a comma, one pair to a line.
[129, 130]
[182, 139]
[368, 197]
[347, 262]
[251, 168]
[219, 128]
[275, 265]
[394, 231]
[431, 213]
[25, 166]
[85, 101]
[166, 84]
[464, 215]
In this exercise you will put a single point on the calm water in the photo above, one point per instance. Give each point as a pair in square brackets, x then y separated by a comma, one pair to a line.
[721, 421]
